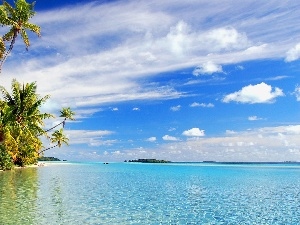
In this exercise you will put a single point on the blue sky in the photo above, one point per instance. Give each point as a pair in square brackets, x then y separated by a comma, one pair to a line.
[175, 80]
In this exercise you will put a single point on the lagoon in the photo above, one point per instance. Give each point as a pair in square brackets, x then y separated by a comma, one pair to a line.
[135, 193]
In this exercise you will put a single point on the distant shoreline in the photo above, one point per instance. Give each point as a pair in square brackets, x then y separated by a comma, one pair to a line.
[53, 163]
[217, 162]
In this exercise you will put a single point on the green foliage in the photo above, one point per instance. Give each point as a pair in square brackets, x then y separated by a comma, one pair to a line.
[149, 161]
[21, 121]
[21, 124]
[67, 113]
[43, 158]
[17, 19]
[5, 159]
[59, 137]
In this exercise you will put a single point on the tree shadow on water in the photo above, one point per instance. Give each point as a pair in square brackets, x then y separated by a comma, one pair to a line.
[18, 194]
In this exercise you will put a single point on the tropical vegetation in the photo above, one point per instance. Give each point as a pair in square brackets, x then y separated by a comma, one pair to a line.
[21, 120]
[149, 161]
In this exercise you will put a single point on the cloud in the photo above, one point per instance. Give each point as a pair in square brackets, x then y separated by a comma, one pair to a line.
[204, 105]
[297, 92]
[239, 67]
[116, 55]
[115, 109]
[151, 139]
[136, 109]
[230, 132]
[175, 108]
[266, 144]
[293, 54]
[169, 138]
[194, 132]
[277, 78]
[278, 143]
[85, 113]
[259, 93]
[89, 137]
[254, 118]
[178, 38]
[226, 38]
[207, 68]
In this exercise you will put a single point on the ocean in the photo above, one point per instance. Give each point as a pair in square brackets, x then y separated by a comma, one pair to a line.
[140, 193]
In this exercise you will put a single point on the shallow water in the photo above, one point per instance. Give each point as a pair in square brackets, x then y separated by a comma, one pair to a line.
[132, 193]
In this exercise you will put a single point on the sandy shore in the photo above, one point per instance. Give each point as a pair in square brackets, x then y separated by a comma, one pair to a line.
[42, 164]
[39, 164]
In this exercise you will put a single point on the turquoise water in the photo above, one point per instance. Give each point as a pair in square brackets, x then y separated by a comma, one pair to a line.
[125, 193]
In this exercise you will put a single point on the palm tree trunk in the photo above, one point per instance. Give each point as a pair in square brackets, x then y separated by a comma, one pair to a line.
[63, 122]
[9, 49]
[47, 149]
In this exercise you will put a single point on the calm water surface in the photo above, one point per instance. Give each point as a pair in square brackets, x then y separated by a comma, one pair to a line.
[125, 193]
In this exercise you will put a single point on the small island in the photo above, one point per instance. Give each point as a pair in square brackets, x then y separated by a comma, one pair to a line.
[44, 158]
[149, 161]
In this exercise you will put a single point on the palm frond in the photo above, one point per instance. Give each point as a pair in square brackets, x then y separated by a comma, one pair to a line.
[4, 21]
[2, 48]
[25, 38]
[32, 27]
[9, 9]
[9, 35]
[67, 113]
[7, 97]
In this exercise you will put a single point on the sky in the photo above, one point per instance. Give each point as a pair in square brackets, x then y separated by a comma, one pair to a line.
[175, 80]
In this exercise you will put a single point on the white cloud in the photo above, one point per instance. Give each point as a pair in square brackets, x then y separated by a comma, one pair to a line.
[265, 144]
[175, 108]
[85, 113]
[294, 129]
[151, 139]
[178, 38]
[194, 132]
[89, 137]
[297, 92]
[169, 138]
[116, 55]
[279, 143]
[172, 129]
[254, 118]
[230, 132]
[239, 67]
[226, 38]
[207, 68]
[259, 93]
[136, 109]
[115, 109]
[293, 54]
[204, 105]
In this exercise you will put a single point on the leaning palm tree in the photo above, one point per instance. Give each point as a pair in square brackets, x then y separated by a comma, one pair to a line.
[18, 20]
[58, 137]
[66, 113]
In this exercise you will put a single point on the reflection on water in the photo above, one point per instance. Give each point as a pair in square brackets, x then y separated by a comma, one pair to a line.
[18, 193]
[93, 194]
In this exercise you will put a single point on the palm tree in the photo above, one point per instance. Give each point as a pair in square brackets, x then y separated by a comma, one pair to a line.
[21, 122]
[23, 104]
[67, 113]
[18, 20]
[58, 137]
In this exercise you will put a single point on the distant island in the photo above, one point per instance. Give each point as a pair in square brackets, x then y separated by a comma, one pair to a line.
[43, 158]
[149, 161]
